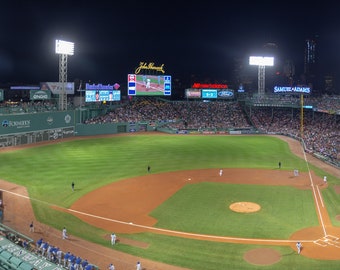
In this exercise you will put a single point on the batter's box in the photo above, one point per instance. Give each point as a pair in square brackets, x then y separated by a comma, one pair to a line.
[331, 237]
[334, 243]
[328, 240]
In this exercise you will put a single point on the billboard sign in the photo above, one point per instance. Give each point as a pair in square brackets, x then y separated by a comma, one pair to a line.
[209, 93]
[102, 95]
[292, 89]
[40, 95]
[210, 85]
[192, 93]
[225, 93]
[56, 87]
[89, 86]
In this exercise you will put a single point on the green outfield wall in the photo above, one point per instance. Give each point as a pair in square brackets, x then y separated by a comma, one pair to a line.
[18, 129]
[29, 128]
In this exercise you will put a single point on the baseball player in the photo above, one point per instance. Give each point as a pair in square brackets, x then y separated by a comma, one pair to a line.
[299, 247]
[113, 239]
[64, 234]
[148, 84]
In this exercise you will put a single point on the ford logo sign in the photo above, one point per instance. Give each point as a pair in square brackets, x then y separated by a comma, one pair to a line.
[225, 93]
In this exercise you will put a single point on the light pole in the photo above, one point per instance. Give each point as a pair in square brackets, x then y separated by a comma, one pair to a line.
[63, 48]
[261, 62]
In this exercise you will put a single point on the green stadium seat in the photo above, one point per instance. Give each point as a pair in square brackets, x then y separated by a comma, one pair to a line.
[5, 255]
[25, 266]
[5, 266]
[15, 261]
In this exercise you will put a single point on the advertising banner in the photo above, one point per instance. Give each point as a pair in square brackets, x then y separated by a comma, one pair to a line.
[56, 87]
[40, 95]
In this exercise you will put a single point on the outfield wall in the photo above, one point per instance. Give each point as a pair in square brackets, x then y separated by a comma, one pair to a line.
[111, 128]
[20, 129]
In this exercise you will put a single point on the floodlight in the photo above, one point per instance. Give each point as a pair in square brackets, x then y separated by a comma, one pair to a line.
[261, 61]
[64, 47]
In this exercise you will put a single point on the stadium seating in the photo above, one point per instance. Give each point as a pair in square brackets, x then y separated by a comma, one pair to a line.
[25, 266]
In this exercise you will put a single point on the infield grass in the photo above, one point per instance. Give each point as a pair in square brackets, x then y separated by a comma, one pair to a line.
[47, 172]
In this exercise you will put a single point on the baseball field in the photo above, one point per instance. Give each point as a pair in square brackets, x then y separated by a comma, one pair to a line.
[183, 213]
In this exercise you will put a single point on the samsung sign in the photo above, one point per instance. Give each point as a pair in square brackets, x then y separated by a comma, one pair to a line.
[289, 89]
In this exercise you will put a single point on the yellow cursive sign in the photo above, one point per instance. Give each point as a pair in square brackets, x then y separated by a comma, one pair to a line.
[149, 66]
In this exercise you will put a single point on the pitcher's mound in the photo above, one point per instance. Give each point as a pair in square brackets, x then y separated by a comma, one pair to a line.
[262, 256]
[245, 207]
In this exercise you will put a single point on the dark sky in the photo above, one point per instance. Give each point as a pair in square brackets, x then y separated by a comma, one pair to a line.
[188, 37]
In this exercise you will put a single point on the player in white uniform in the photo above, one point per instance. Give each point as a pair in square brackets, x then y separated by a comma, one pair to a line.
[298, 246]
[148, 84]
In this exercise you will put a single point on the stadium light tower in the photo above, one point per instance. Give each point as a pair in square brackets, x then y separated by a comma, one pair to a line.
[261, 62]
[63, 48]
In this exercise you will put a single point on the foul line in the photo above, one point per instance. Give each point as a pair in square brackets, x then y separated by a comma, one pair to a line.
[315, 195]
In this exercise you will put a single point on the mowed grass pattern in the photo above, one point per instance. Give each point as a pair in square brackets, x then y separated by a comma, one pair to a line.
[204, 209]
[47, 172]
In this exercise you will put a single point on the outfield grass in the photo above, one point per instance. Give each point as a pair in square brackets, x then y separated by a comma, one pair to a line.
[48, 171]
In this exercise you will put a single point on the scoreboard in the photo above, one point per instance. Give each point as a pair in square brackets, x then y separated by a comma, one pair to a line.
[149, 85]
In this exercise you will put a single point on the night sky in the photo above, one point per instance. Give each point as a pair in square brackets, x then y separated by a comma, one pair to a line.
[188, 37]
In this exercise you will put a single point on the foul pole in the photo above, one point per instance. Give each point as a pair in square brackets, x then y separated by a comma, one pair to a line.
[301, 116]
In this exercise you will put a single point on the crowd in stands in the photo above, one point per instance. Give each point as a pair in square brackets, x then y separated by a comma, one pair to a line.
[178, 114]
[321, 131]
[9, 107]
[328, 103]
